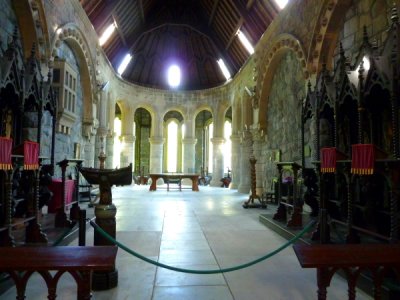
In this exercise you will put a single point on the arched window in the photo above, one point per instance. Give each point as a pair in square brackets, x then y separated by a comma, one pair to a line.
[117, 143]
[172, 146]
[210, 133]
[227, 147]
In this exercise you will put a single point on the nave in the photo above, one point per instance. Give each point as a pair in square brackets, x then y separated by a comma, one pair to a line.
[205, 230]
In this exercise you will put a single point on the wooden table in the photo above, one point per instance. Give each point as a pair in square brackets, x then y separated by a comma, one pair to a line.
[168, 176]
[21, 262]
[353, 259]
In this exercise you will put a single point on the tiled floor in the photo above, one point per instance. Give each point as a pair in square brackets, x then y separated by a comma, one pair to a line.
[204, 230]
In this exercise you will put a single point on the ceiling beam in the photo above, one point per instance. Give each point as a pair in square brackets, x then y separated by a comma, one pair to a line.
[140, 5]
[138, 34]
[121, 35]
[89, 6]
[249, 4]
[213, 11]
[242, 10]
[233, 35]
[100, 19]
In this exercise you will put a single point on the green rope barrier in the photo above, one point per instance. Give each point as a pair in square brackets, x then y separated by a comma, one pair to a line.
[153, 262]
[65, 233]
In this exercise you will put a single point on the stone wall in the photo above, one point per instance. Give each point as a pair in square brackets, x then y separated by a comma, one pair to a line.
[64, 144]
[284, 114]
[7, 21]
[374, 15]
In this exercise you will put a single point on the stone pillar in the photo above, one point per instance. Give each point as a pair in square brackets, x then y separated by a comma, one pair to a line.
[156, 154]
[88, 152]
[189, 155]
[127, 137]
[257, 147]
[110, 135]
[246, 149]
[109, 150]
[235, 139]
[100, 145]
[128, 148]
[218, 161]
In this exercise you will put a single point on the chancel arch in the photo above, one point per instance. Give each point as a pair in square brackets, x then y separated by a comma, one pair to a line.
[31, 18]
[270, 62]
[73, 37]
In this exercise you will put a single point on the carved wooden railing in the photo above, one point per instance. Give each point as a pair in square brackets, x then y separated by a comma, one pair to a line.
[378, 259]
[21, 262]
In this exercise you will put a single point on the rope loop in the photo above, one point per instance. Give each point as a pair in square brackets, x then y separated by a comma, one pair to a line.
[215, 271]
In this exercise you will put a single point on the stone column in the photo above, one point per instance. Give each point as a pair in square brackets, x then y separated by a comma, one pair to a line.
[156, 154]
[102, 130]
[246, 149]
[127, 137]
[110, 135]
[128, 148]
[109, 150]
[218, 161]
[100, 145]
[257, 147]
[88, 152]
[235, 139]
[189, 155]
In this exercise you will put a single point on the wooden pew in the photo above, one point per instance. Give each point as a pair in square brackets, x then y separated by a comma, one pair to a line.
[352, 259]
[21, 262]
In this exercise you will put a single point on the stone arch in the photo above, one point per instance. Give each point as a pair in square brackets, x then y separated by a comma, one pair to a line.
[121, 106]
[227, 108]
[72, 35]
[201, 108]
[280, 47]
[32, 27]
[326, 34]
[177, 108]
[147, 107]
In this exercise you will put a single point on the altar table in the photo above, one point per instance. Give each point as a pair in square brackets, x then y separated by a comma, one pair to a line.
[56, 188]
[168, 176]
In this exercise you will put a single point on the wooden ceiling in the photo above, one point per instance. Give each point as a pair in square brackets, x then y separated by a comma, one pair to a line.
[193, 34]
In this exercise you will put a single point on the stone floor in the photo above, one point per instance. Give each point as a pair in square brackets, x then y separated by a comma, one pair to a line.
[196, 230]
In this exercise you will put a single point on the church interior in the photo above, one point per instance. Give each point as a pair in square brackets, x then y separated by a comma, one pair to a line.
[187, 128]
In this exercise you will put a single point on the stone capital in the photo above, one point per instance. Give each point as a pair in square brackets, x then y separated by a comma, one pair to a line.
[156, 140]
[217, 140]
[189, 141]
[102, 131]
[128, 138]
[235, 138]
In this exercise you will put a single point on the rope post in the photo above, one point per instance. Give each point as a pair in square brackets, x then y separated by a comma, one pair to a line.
[82, 227]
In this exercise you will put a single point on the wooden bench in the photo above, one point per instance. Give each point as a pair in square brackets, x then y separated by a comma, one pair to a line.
[21, 262]
[353, 259]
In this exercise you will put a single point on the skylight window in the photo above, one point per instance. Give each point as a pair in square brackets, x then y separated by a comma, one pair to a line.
[125, 62]
[174, 76]
[224, 69]
[245, 42]
[281, 3]
[107, 34]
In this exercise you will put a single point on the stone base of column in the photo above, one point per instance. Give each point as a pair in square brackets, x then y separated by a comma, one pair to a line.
[234, 185]
[245, 189]
[215, 182]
